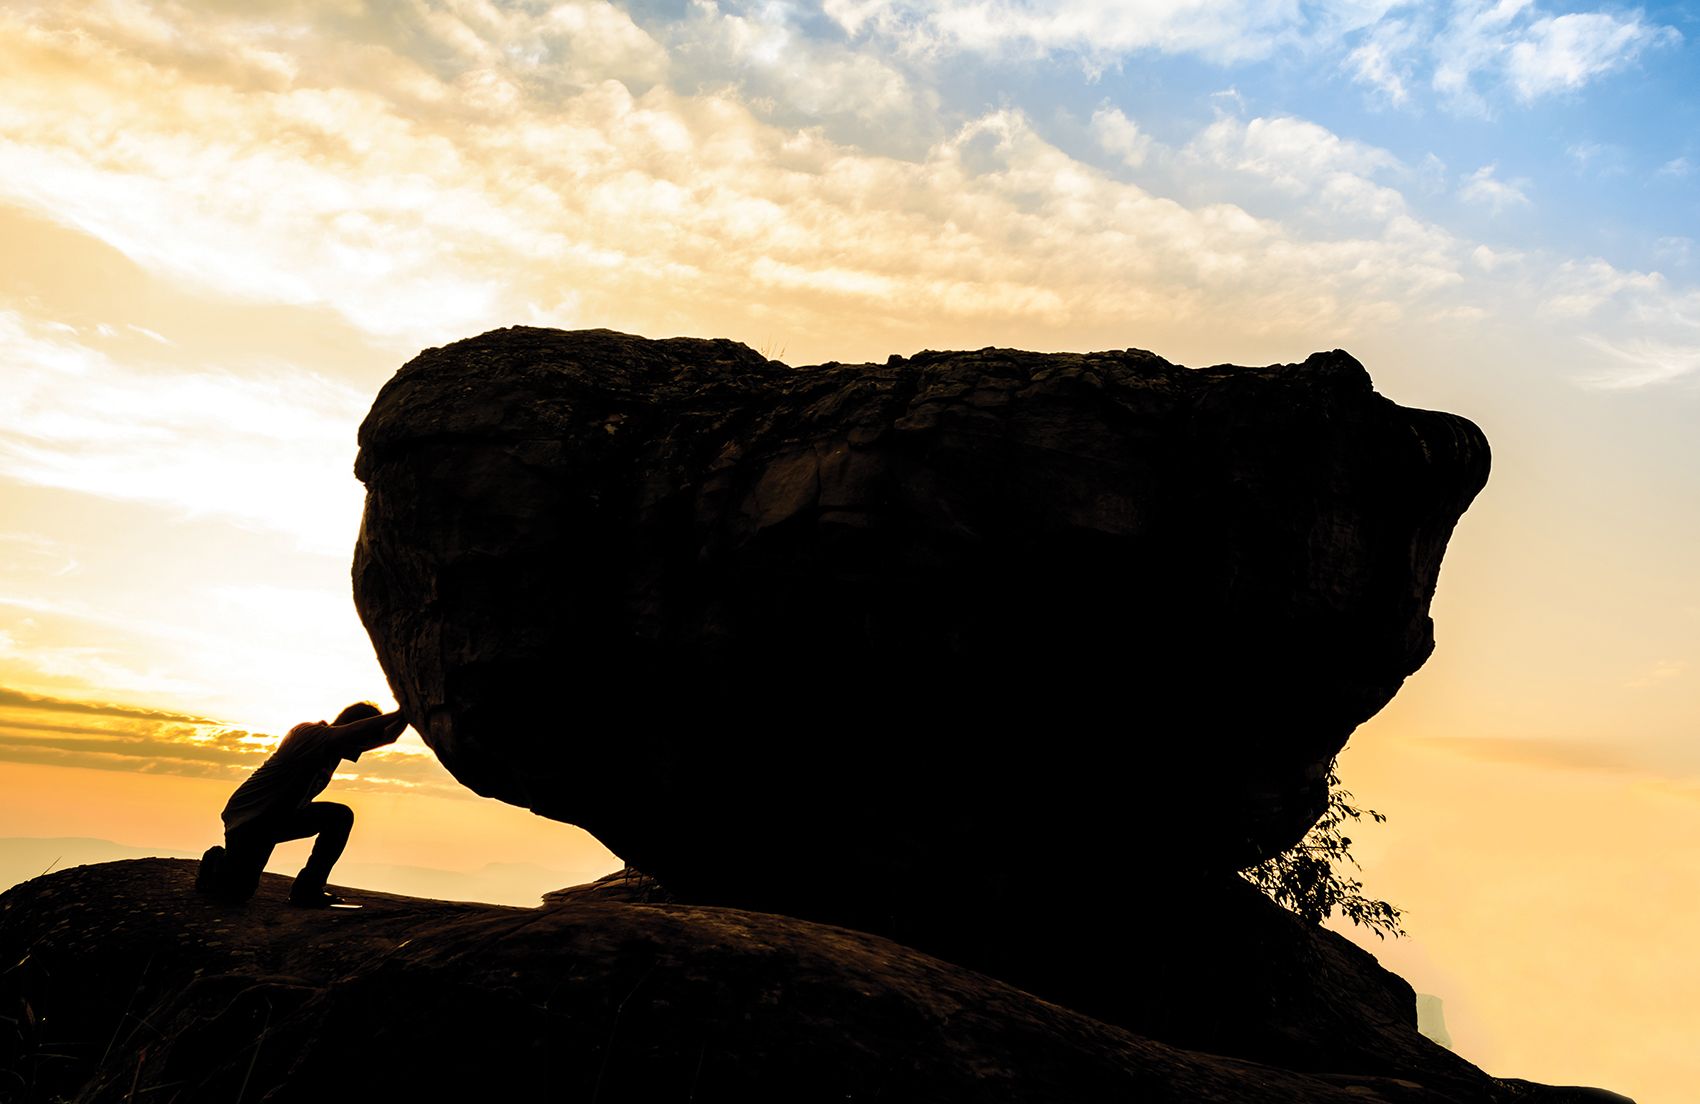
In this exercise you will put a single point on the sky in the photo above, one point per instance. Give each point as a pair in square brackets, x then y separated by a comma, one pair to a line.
[226, 224]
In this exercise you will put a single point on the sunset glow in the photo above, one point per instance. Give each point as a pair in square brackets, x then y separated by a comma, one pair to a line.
[226, 224]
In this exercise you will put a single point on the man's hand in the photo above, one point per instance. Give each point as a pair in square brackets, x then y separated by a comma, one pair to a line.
[370, 732]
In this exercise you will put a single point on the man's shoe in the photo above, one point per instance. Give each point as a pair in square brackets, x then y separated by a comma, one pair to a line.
[317, 900]
[209, 879]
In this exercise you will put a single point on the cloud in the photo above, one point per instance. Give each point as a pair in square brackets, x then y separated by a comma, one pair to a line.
[1583, 152]
[15, 699]
[1641, 362]
[107, 667]
[190, 630]
[459, 180]
[791, 76]
[34, 553]
[1293, 153]
[1645, 331]
[213, 759]
[1332, 179]
[1483, 46]
[138, 739]
[1233, 31]
[1431, 174]
[1567, 51]
[1467, 49]
[271, 445]
[1290, 151]
[1120, 136]
[1474, 38]
[35, 729]
[1678, 167]
[1576, 289]
[1489, 260]
[1676, 249]
[410, 212]
[283, 187]
[1385, 61]
[1484, 189]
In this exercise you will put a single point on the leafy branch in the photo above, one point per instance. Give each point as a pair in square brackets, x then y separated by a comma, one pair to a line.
[1313, 879]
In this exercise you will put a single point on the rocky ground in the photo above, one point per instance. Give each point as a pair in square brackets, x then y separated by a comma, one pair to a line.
[121, 984]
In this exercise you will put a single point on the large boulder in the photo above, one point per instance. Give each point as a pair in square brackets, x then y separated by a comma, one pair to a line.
[909, 631]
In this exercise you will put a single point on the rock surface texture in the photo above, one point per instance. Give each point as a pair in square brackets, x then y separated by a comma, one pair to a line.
[121, 985]
[905, 631]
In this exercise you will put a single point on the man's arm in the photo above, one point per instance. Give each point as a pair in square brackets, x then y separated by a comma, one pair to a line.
[368, 733]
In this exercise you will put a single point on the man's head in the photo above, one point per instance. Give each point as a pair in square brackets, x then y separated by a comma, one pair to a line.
[359, 711]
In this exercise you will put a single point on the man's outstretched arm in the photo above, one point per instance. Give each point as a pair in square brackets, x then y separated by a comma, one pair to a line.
[369, 732]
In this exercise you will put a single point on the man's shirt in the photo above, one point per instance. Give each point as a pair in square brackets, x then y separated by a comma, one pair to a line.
[296, 773]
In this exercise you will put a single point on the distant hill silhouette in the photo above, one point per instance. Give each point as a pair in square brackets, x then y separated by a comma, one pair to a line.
[522, 884]
[1431, 1019]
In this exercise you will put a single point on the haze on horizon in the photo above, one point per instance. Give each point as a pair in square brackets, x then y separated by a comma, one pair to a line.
[228, 223]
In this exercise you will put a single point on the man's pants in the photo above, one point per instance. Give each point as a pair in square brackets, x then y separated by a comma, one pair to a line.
[249, 848]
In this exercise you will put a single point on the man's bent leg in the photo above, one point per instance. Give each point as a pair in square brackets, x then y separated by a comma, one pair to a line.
[330, 823]
[246, 852]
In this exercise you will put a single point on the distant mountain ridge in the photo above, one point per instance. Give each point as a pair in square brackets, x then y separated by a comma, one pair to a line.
[499, 883]
[26, 857]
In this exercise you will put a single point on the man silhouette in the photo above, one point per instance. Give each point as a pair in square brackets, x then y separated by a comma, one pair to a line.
[276, 804]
